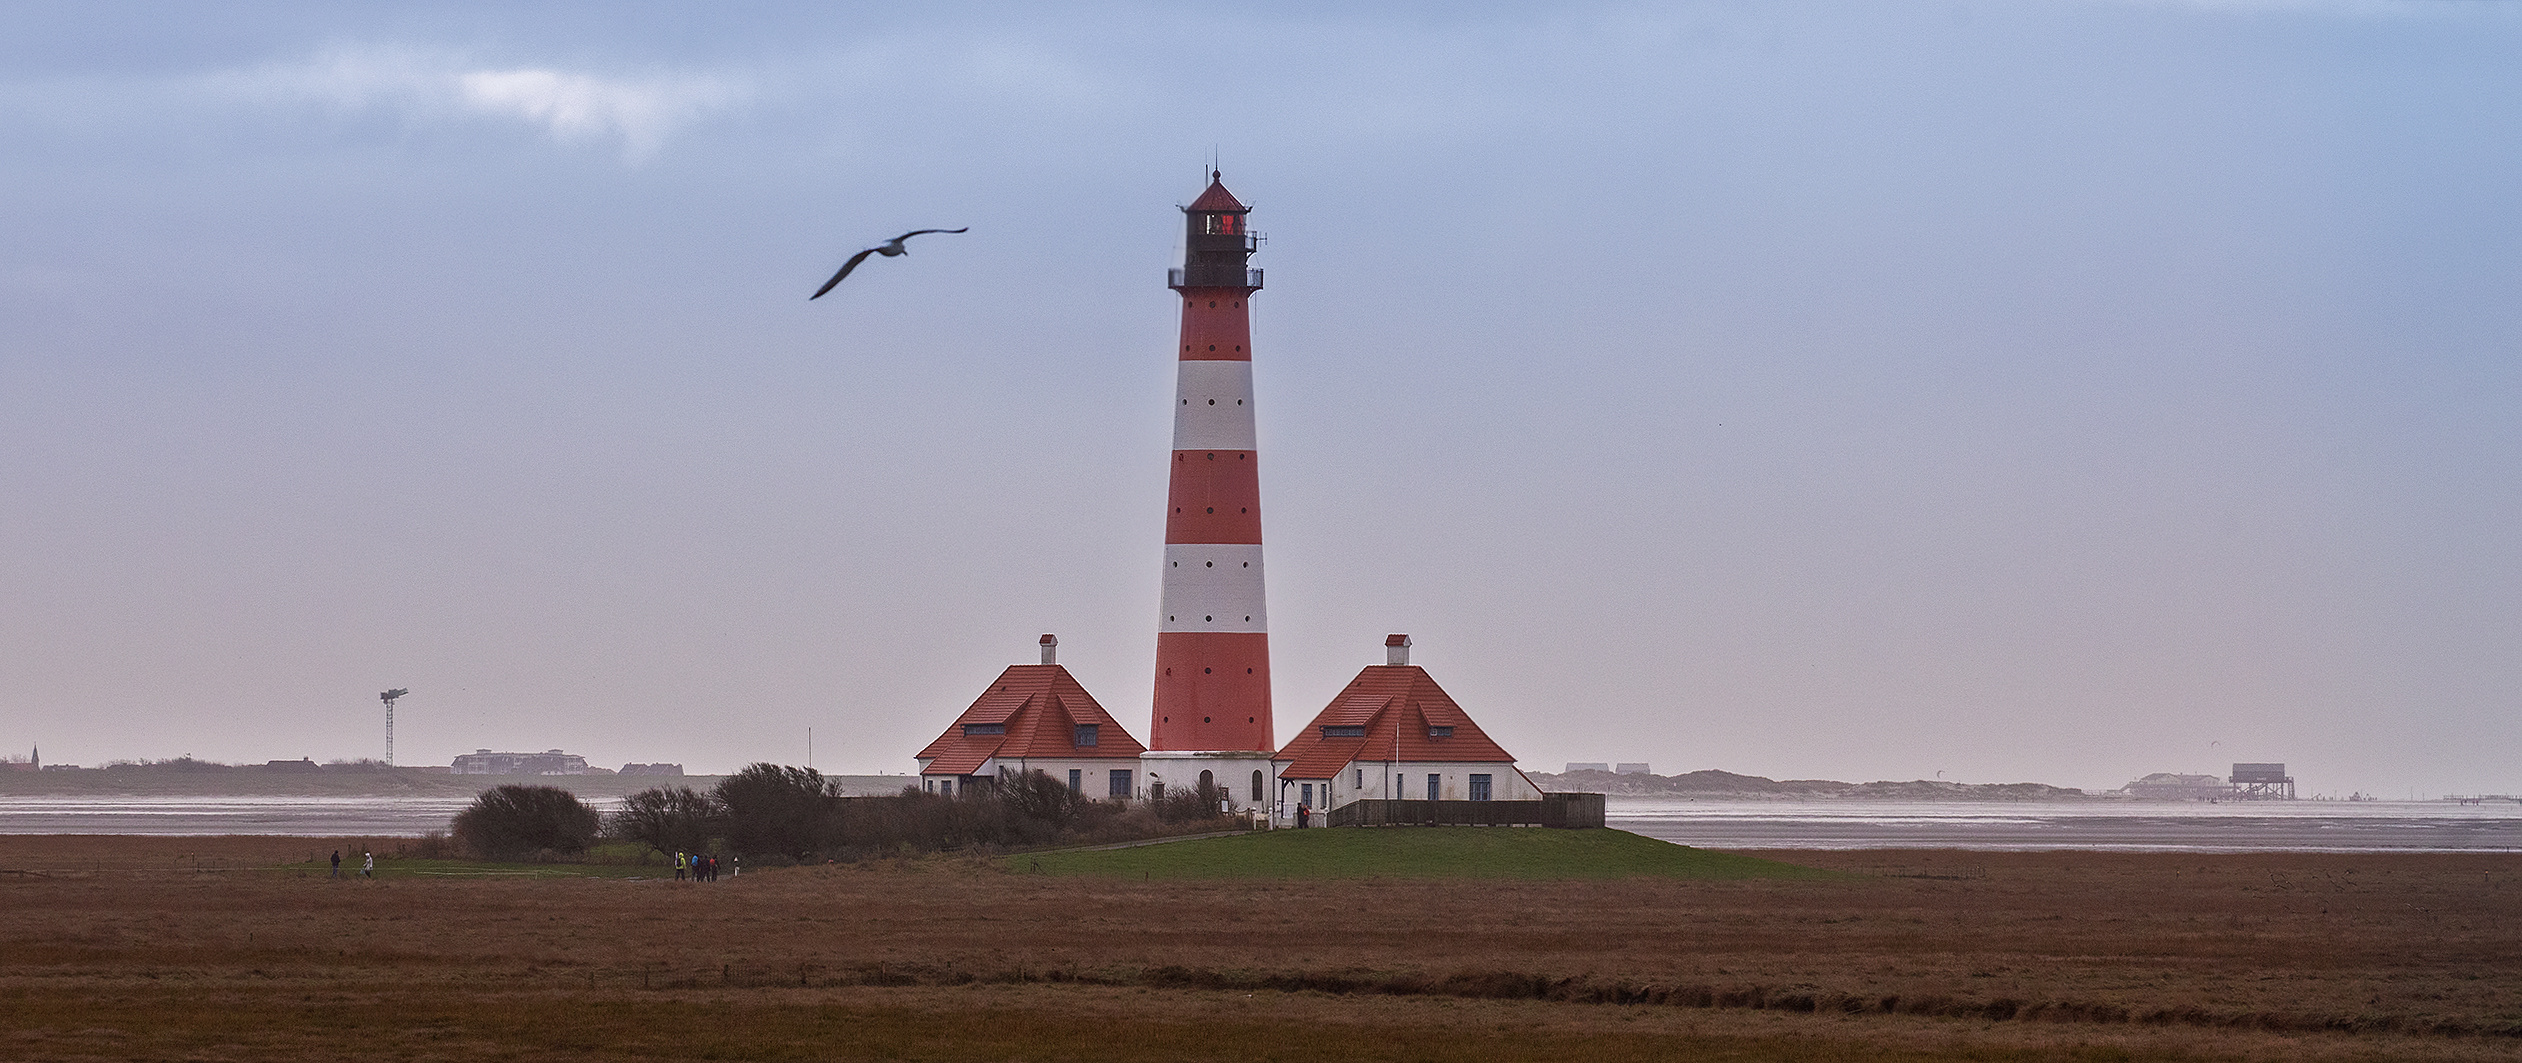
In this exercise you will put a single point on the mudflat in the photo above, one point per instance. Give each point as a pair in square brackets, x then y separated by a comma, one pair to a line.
[233, 948]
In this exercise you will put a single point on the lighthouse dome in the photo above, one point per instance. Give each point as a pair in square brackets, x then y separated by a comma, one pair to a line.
[1216, 197]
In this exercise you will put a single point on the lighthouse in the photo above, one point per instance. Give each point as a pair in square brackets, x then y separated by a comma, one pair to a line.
[1212, 704]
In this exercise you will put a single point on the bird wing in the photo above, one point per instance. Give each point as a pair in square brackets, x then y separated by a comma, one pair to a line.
[924, 232]
[852, 264]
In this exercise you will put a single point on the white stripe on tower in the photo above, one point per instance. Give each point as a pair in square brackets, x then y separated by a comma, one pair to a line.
[1213, 406]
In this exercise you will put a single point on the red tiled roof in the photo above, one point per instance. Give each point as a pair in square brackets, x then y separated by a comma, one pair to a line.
[1216, 197]
[1381, 699]
[1039, 705]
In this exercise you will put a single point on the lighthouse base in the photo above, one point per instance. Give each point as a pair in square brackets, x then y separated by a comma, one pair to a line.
[1237, 775]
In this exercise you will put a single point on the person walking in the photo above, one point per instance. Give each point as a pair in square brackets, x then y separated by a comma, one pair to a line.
[367, 865]
[678, 865]
[1304, 816]
[337, 863]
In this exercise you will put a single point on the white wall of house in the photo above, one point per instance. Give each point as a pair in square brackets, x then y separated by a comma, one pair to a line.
[1094, 775]
[1407, 780]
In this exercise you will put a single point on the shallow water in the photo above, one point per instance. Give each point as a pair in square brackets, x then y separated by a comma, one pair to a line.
[2126, 826]
[2296, 826]
[305, 816]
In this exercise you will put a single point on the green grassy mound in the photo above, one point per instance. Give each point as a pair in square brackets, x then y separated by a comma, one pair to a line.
[1416, 852]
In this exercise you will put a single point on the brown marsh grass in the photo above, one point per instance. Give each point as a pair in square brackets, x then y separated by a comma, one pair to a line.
[140, 948]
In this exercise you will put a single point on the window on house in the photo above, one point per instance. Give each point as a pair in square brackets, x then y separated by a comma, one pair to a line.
[1259, 794]
[1444, 731]
[1076, 781]
[1331, 730]
[1086, 733]
[1305, 794]
[985, 728]
[1435, 785]
[1479, 787]
[1360, 781]
[1120, 782]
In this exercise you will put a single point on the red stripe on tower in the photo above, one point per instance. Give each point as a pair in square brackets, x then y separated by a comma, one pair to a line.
[1213, 646]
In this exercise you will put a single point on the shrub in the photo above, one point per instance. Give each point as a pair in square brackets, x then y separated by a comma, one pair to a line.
[518, 822]
[668, 819]
[1186, 806]
[772, 810]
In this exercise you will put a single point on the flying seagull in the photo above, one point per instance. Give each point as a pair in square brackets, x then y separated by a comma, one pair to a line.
[888, 249]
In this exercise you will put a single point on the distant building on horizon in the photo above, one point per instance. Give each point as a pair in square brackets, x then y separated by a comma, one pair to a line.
[2262, 782]
[548, 762]
[674, 770]
[1588, 765]
[1633, 769]
[2174, 786]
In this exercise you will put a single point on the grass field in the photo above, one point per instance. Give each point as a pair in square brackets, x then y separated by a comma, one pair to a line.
[1415, 852]
[230, 949]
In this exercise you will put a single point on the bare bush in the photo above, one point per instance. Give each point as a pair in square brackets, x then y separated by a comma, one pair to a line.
[777, 811]
[524, 822]
[668, 819]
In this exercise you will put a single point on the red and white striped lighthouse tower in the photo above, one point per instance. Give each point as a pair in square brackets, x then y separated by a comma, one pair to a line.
[1213, 646]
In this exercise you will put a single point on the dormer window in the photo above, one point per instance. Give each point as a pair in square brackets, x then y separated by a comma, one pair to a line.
[984, 729]
[1086, 733]
[1333, 730]
[1440, 730]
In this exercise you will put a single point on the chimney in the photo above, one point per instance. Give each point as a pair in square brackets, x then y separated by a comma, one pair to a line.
[1050, 649]
[1396, 649]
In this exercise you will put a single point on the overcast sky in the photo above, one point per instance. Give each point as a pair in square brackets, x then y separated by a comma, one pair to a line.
[2050, 390]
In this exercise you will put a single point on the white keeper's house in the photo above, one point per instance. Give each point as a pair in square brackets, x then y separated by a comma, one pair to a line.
[1035, 717]
[1391, 734]
[1394, 735]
